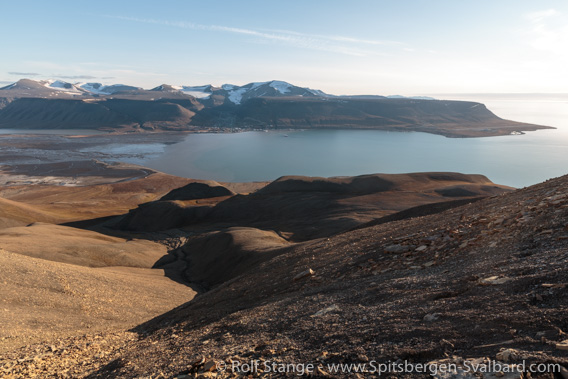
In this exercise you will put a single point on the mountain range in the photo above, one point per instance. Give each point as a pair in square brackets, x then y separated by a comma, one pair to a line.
[233, 93]
[55, 104]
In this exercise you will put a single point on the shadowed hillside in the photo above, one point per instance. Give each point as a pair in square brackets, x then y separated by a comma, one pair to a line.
[483, 280]
[448, 118]
[441, 282]
[303, 208]
[215, 257]
[30, 113]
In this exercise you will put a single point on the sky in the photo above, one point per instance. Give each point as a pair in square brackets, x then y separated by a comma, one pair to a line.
[382, 47]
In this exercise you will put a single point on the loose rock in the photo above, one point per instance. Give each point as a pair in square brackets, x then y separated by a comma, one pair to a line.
[304, 274]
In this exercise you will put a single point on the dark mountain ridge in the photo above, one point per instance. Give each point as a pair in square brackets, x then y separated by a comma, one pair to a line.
[264, 105]
[109, 114]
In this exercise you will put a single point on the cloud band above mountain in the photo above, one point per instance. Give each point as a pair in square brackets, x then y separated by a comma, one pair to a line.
[332, 43]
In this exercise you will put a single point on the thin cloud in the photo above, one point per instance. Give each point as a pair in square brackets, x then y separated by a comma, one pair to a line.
[537, 17]
[340, 38]
[337, 44]
[24, 73]
[548, 31]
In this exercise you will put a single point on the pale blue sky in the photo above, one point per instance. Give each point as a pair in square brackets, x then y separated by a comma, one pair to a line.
[358, 47]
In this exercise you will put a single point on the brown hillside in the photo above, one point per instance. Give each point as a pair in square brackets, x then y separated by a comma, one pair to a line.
[483, 280]
[467, 282]
[13, 213]
[43, 300]
[79, 247]
[73, 203]
[304, 207]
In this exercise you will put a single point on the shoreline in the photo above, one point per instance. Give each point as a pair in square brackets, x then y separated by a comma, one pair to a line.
[517, 128]
[19, 153]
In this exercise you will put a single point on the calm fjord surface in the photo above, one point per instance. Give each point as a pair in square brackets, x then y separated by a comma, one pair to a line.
[517, 160]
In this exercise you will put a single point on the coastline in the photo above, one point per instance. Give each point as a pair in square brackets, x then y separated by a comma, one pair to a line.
[226, 159]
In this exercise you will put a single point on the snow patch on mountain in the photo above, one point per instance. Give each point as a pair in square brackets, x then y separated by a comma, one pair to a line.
[255, 85]
[281, 87]
[235, 96]
[119, 88]
[317, 92]
[96, 88]
[200, 92]
[238, 94]
[9, 86]
[233, 93]
[101, 89]
[62, 86]
[410, 97]
[196, 94]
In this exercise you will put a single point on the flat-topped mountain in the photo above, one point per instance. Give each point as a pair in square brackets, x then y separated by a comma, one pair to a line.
[448, 118]
[268, 105]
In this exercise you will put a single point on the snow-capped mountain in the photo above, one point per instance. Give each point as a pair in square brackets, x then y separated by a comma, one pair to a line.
[65, 87]
[51, 87]
[93, 88]
[233, 94]
[24, 85]
[200, 92]
[101, 89]
[238, 94]
[44, 89]
[274, 88]
[165, 88]
[227, 93]
[275, 104]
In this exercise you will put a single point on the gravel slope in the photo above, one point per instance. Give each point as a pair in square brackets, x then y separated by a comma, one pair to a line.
[466, 283]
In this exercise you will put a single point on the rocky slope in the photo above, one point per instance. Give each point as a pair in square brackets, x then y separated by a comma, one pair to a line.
[79, 247]
[62, 281]
[487, 279]
[43, 300]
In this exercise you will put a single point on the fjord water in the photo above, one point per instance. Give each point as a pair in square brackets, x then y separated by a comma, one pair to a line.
[516, 160]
